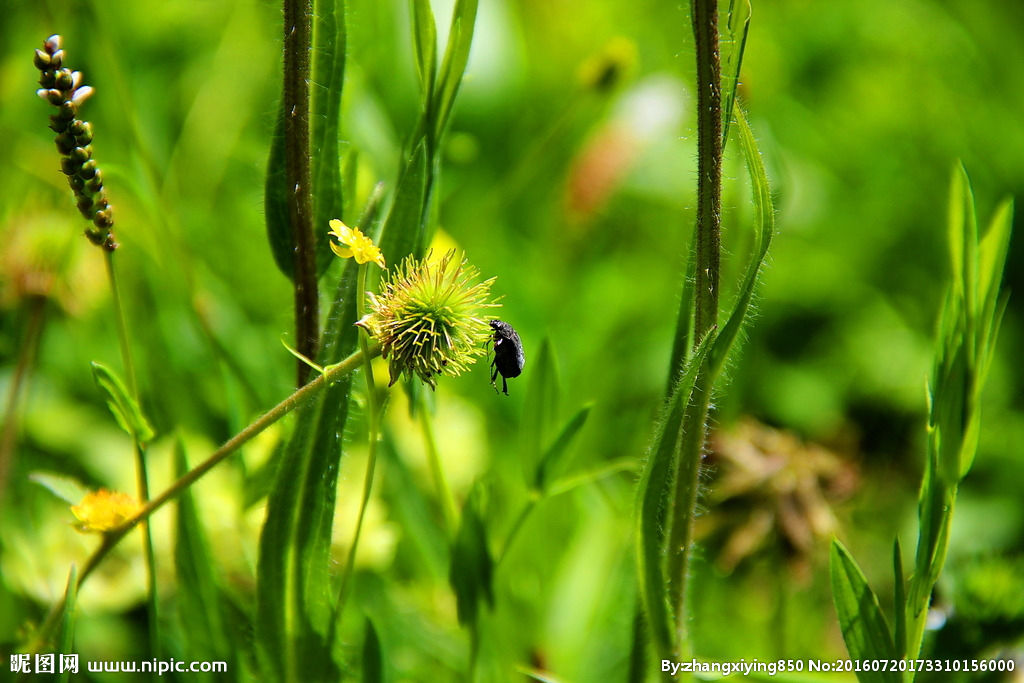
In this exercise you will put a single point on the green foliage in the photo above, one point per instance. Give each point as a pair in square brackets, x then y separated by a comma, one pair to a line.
[294, 602]
[122, 406]
[573, 186]
[472, 566]
[864, 627]
[968, 329]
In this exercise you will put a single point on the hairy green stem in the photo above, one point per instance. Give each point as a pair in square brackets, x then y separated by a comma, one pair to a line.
[298, 36]
[709, 164]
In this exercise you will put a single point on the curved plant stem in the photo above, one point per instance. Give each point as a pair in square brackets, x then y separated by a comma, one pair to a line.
[300, 397]
[298, 35]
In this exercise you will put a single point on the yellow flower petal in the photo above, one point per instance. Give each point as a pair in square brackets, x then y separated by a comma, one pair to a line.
[104, 510]
[355, 244]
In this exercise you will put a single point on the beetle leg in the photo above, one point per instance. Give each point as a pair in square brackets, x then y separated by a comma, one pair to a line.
[504, 385]
[494, 375]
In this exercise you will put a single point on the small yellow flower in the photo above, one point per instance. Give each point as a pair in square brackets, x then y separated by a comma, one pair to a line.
[354, 243]
[104, 510]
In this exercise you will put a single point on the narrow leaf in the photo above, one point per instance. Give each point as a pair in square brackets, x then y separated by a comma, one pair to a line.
[899, 601]
[68, 489]
[424, 34]
[472, 569]
[66, 640]
[327, 80]
[731, 45]
[456, 56]
[275, 203]
[403, 228]
[124, 408]
[863, 625]
[587, 476]
[373, 659]
[540, 407]
[764, 228]
[554, 453]
[293, 589]
[683, 340]
[656, 484]
[199, 600]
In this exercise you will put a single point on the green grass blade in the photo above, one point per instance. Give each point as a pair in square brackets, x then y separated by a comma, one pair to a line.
[68, 489]
[683, 340]
[656, 484]
[124, 408]
[199, 604]
[864, 627]
[293, 591]
[963, 241]
[424, 35]
[556, 451]
[540, 408]
[992, 256]
[66, 639]
[373, 658]
[899, 601]
[326, 82]
[403, 228]
[472, 570]
[764, 228]
[731, 46]
[275, 203]
[456, 56]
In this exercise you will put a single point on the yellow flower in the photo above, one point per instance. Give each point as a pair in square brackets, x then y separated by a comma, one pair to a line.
[355, 243]
[104, 510]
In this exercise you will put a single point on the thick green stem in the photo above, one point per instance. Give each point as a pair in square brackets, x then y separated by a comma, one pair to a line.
[709, 164]
[298, 36]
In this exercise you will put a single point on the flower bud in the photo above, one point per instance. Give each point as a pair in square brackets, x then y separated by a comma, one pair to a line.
[69, 167]
[56, 59]
[84, 205]
[88, 169]
[41, 60]
[104, 219]
[52, 44]
[81, 154]
[65, 143]
[82, 94]
[64, 79]
[54, 97]
[68, 111]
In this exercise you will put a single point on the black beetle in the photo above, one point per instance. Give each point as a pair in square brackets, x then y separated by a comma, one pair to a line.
[508, 354]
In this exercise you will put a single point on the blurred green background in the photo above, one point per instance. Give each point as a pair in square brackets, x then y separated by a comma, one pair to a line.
[578, 193]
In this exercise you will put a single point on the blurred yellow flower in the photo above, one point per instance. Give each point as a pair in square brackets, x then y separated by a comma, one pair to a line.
[354, 243]
[104, 510]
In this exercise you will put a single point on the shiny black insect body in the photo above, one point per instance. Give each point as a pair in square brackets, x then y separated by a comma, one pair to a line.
[508, 354]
